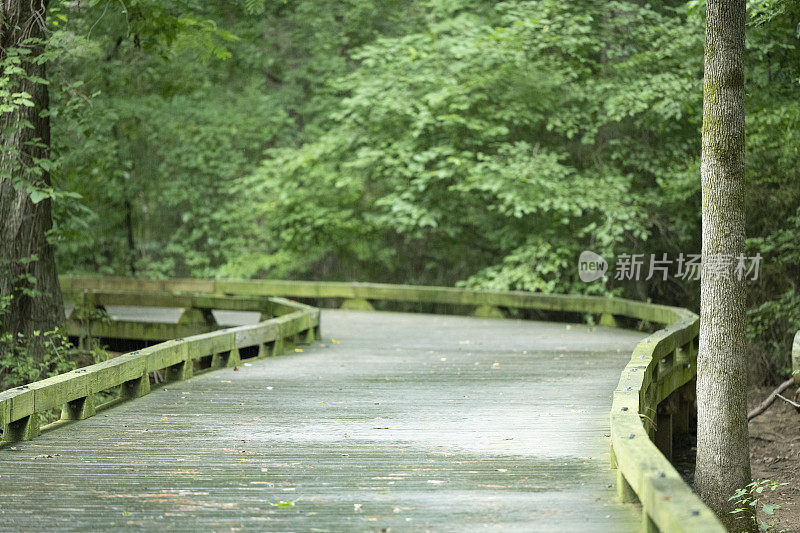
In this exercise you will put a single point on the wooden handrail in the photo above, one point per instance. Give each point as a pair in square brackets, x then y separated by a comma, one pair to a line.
[660, 365]
[74, 391]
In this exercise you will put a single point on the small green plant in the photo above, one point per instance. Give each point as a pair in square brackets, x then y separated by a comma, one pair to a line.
[750, 497]
[97, 351]
[18, 365]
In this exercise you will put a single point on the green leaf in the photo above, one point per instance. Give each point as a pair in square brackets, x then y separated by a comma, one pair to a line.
[38, 195]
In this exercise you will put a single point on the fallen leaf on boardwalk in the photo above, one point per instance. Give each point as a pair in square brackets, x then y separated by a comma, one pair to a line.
[298, 349]
[236, 369]
[463, 342]
[334, 341]
[435, 481]
[443, 359]
[46, 456]
[357, 507]
[225, 381]
[495, 365]
[569, 327]
[285, 504]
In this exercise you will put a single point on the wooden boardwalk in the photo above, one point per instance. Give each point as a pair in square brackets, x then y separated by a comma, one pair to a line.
[405, 422]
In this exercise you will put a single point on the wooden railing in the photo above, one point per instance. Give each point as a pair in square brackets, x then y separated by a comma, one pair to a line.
[74, 392]
[653, 398]
[89, 317]
[796, 358]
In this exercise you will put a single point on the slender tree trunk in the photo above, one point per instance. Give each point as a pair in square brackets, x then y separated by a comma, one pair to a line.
[27, 265]
[723, 459]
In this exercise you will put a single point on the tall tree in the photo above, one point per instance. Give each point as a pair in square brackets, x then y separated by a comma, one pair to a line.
[723, 460]
[28, 280]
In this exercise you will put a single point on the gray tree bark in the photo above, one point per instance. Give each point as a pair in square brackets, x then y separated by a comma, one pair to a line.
[723, 459]
[27, 264]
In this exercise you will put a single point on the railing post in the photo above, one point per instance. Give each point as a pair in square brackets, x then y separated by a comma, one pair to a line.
[234, 358]
[663, 433]
[357, 304]
[180, 371]
[683, 354]
[307, 336]
[265, 350]
[488, 311]
[278, 346]
[26, 428]
[192, 315]
[221, 359]
[625, 492]
[608, 320]
[79, 409]
[136, 388]
[648, 526]
[682, 417]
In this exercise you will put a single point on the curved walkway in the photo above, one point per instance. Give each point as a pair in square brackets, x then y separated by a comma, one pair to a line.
[405, 422]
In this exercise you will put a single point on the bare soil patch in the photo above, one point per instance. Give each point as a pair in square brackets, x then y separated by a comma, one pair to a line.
[774, 454]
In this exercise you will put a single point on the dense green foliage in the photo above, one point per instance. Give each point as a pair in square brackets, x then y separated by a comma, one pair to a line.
[440, 142]
[17, 364]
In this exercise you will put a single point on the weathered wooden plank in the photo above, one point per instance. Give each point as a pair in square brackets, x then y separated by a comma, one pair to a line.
[168, 299]
[396, 433]
[18, 403]
[58, 390]
[145, 331]
[166, 354]
[255, 334]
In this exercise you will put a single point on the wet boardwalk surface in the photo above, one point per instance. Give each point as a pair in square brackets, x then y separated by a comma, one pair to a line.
[406, 422]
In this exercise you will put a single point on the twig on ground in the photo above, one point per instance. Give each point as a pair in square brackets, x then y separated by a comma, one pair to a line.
[771, 398]
[790, 402]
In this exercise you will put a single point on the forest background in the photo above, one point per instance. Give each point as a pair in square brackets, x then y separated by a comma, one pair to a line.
[450, 142]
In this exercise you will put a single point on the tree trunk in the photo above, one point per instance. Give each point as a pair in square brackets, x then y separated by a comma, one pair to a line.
[27, 265]
[723, 459]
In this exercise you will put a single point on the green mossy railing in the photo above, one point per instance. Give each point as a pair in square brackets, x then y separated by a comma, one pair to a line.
[74, 393]
[654, 386]
[90, 319]
[796, 358]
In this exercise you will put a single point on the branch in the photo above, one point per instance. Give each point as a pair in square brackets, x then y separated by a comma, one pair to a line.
[790, 402]
[771, 398]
